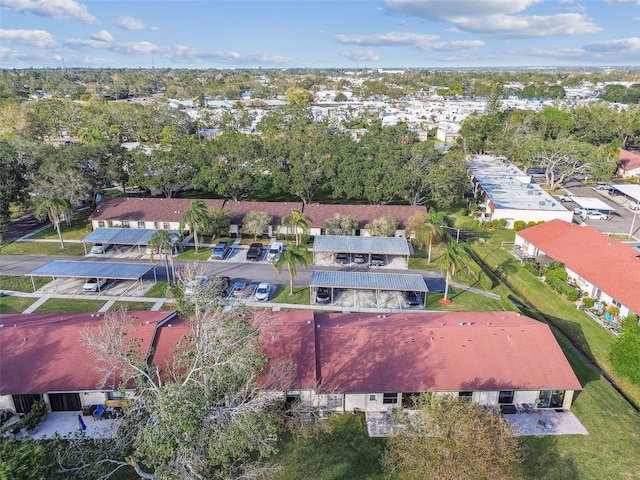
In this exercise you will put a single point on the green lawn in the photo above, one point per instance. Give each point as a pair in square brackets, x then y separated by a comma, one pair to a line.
[10, 304]
[582, 330]
[465, 301]
[189, 254]
[344, 452]
[300, 295]
[43, 248]
[21, 283]
[158, 290]
[80, 228]
[131, 306]
[612, 448]
[63, 305]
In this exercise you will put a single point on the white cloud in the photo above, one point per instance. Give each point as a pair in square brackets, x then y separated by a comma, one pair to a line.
[423, 42]
[387, 39]
[28, 58]
[130, 23]
[102, 36]
[128, 48]
[622, 47]
[176, 53]
[51, 8]
[361, 56]
[34, 38]
[455, 45]
[495, 18]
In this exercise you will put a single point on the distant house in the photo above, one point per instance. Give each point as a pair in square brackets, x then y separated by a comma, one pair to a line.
[364, 214]
[44, 357]
[509, 194]
[629, 164]
[603, 268]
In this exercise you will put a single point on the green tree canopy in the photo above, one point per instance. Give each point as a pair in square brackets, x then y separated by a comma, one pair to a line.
[448, 438]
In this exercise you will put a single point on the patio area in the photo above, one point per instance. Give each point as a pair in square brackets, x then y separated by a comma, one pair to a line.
[67, 423]
[540, 422]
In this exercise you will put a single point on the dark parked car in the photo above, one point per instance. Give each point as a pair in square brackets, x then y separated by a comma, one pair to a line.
[323, 295]
[342, 258]
[255, 251]
[220, 250]
[411, 299]
[377, 260]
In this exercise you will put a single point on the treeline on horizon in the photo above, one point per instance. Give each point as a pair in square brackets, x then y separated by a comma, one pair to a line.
[231, 84]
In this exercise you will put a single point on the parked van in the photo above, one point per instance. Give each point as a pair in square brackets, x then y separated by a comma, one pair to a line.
[274, 252]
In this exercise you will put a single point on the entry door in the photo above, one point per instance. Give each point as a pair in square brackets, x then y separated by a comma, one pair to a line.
[64, 402]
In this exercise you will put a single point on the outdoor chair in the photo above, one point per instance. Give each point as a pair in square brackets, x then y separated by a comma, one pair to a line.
[542, 425]
[98, 412]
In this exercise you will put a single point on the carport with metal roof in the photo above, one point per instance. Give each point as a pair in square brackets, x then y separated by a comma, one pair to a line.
[108, 270]
[590, 203]
[132, 237]
[396, 246]
[378, 282]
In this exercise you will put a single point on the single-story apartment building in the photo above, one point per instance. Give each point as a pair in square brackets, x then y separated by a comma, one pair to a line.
[335, 362]
[364, 214]
[603, 268]
[165, 213]
[509, 194]
[44, 358]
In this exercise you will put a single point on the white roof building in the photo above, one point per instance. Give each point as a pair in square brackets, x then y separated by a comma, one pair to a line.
[510, 195]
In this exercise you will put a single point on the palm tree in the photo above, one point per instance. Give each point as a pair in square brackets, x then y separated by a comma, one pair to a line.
[162, 242]
[196, 218]
[53, 207]
[455, 257]
[434, 225]
[298, 222]
[292, 256]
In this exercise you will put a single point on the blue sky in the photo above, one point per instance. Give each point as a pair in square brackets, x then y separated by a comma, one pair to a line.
[325, 33]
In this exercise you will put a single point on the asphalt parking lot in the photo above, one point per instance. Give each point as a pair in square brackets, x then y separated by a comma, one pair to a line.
[620, 222]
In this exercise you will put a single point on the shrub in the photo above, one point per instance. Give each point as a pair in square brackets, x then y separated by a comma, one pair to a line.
[588, 302]
[502, 223]
[519, 225]
[625, 352]
[531, 224]
[533, 268]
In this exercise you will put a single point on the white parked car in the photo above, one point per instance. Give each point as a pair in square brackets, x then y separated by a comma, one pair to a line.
[263, 291]
[634, 205]
[94, 284]
[594, 216]
[274, 252]
[99, 248]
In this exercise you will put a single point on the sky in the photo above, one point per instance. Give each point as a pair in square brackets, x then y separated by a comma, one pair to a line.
[318, 34]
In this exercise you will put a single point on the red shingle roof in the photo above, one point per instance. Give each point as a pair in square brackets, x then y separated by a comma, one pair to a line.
[44, 353]
[362, 353]
[610, 265]
[363, 213]
[146, 209]
[629, 160]
[277, 210]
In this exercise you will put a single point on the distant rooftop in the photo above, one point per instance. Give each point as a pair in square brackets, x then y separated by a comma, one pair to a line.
[508, 187]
